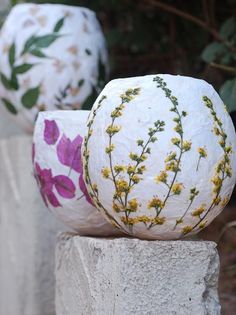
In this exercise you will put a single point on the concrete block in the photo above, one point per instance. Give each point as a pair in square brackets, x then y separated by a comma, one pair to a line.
[125, 276]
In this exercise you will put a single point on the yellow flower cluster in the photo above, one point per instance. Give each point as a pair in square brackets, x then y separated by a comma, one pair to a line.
[119, 168]
[135, 178]
[225, 201]
[177, 188]
[172, 166]
[143, 219]
[202, 152]
[197, 212]
[217, 181]
[170, 157]
[112, 129]
[132, 205]
[175, 141]
[186, 146]
[155, 203]
[122, 186]
[106, 172]
[187, 229]
[162, 177]
[110, 148]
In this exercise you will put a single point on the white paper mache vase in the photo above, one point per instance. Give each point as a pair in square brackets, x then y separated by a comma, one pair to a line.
[52, 57]
[159, 156]
[58, 170]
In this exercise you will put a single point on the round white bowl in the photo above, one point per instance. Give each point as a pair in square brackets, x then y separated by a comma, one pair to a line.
[52, 57]
[58, 170]
[159, 156]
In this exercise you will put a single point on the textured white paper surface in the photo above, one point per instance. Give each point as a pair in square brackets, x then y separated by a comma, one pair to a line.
[52, 57]
[186, 180]
[58, 169]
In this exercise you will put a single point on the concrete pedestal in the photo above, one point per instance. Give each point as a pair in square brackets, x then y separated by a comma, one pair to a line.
[129, 276]
[27, 236]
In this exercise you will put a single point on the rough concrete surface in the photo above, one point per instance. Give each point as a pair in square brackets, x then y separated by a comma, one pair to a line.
[27, 236]
[125, 276]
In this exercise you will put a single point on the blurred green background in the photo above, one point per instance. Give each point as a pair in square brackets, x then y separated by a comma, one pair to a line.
[194, 38]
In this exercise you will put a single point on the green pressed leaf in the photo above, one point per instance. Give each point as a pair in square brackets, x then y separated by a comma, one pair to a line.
[81, 82]
[9, 106]
[12, 54]
[14, 82]
[28, 44]
[38, 53]
[5, 81]
[88, 103]
[59, 25]
[212, 51]
[228, 29]
[228, 94]
[22, 68]
[88, 51]
[45, 40]
[30, 98]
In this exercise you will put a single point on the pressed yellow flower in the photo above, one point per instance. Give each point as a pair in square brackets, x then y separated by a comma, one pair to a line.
[129, 221]
[202, 224]
[187, 145]
[177, 188]
[222, 142]
[224, 201]
[115, 207]
[141, 169]
[179, 221]
[162, 177]
[172, 166]
[143, 157]
[135, 178]
[216, 200]
[159, 220]
[134, 156]
[187, 229]
[216, 131]
[228, 149]
[110, 148]
[112, 129]
[119, 168]
[228, 171]
[122, 186]
[106, 172]
[133, 205]
[131, 169]
[143, 218]
[202, 152]
[155, 203]
[178, 128]
[197, 212]
[175, 141]
[170, 157]
[217, 181]
[116, 113]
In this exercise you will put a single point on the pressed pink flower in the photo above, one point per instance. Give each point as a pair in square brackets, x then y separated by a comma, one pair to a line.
[69, 152]
[84, 189]
[45, 181]
[64, 186]
[51, 131]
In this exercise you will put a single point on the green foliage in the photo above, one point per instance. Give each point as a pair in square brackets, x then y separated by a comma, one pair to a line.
[30, 98]
[9, 106]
